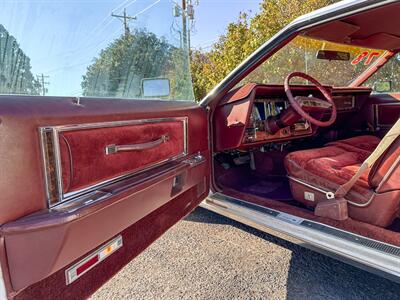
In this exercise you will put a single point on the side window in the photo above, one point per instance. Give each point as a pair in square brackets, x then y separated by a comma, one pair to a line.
[387, 78]
[96, 49]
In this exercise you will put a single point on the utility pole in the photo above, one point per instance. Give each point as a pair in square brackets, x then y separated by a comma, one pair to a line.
[184, 26]
[125, 19]
[186, 11]
[41, 78]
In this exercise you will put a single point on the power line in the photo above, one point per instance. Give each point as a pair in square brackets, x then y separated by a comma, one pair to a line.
[147, 8]
[125, 19]
[41, 78]
[106, 21]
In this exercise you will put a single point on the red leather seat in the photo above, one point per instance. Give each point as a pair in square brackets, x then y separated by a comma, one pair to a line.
[333, 165]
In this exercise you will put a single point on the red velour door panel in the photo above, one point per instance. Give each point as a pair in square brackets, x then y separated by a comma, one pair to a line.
[381, 111]
[86, 188]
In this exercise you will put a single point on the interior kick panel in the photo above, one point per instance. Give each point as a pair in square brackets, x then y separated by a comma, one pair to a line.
[103, 189]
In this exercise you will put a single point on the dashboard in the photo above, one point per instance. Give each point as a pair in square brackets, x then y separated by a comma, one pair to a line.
[242, 118]
[262, 110]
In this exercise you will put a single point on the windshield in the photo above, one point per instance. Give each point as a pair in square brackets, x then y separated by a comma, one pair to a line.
[387, 77]
[98, 48]
[300, 54]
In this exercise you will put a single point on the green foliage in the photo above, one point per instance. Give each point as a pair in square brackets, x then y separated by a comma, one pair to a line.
[119, 69]
[300, 55]
[15, 68]
[390, 72]
[243, 37]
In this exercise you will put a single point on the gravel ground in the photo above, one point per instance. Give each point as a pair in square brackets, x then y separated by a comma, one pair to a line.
[207, 256]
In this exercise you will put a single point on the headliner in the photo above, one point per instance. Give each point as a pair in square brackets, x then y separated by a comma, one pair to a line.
[377, 28]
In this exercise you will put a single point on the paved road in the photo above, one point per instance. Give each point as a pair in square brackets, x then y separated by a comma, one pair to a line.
[207, 256]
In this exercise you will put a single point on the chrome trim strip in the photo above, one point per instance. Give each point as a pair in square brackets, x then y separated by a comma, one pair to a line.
[56, 145]
[42, 143]
[331, 195]
[269, 221]
[56, 130]
[81, 201]
[309, 185]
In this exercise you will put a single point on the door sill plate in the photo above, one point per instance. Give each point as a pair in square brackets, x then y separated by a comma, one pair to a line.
[371, 255]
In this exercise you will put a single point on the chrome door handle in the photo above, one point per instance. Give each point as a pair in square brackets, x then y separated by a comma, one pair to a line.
[112, 149]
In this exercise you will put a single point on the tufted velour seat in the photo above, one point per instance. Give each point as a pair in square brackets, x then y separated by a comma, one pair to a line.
[374, 198]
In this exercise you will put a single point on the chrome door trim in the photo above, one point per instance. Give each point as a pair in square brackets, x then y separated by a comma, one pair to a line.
[55, 132]
[287, 227]
[309, 185]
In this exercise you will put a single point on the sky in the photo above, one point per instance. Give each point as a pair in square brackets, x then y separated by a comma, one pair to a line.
[213, 16]
[62, 37]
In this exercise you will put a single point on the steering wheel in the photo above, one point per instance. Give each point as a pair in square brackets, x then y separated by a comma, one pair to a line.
[295, 101]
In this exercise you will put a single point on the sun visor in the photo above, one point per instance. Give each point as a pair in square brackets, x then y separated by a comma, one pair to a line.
[379, 41]
[337, 31]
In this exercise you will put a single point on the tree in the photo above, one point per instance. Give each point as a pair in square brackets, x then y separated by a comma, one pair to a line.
[243, 37]
[15, 68]
[121, 67]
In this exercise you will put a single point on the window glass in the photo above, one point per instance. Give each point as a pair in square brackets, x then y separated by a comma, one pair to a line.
[90, 48]
[387, 78]
[300, 54]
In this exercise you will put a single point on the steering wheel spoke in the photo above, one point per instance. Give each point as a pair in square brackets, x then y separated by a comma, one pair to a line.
[306, 105]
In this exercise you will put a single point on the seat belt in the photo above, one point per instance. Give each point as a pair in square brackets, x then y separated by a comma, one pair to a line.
[385, 143]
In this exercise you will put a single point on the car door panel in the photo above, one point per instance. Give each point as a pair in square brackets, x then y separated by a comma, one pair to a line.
[382, 111]
[75, 197]
[386, 114]
[84, 159]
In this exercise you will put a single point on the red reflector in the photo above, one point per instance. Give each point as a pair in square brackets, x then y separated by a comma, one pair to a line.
[87, 265]
[90, 261]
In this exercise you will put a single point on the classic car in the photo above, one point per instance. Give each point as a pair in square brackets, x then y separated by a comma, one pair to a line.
[301, 140]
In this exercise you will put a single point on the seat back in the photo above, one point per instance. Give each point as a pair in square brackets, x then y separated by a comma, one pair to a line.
[385, 173]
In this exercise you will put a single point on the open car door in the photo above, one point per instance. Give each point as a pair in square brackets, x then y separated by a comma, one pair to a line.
[86, 188]
[90, 176]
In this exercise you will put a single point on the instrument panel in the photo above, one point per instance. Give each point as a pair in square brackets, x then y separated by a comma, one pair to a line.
[264, 108]
[256, 114]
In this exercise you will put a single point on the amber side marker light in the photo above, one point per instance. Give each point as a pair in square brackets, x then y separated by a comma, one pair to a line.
[93, 259]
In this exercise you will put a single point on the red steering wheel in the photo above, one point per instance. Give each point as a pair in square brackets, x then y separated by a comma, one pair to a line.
[297, 107]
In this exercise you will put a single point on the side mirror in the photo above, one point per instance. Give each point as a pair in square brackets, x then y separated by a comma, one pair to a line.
[383, 86]
[155, 87]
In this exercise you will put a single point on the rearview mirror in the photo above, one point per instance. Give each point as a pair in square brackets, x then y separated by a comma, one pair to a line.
[383, 86]
[333, 55]
[155, 87]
